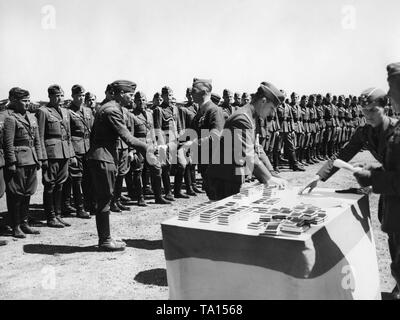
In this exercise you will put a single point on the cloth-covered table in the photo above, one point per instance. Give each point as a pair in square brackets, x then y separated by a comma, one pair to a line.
[335, 260]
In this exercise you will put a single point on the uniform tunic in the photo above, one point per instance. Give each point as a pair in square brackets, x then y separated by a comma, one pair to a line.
[81, 124]
[22, 148]
[55, 137]
[108, 126]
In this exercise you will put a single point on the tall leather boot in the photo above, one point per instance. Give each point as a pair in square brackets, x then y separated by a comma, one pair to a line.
[137, 178]
[275, 162]
[106, 243]
[178, 184]
[156, 182]
[48, 204]
[67, 209]
[78, 199]
[117, 194]
[14, 209]
[130, 186]
[308, 155]
[314, 154]
[58, 198]
[188, 181]
[24, 217]
[166, 180]
[146, 178]
[192, 169]
[319, 156]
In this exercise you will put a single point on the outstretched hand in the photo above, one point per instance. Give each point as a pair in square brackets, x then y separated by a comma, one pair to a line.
[311, 185]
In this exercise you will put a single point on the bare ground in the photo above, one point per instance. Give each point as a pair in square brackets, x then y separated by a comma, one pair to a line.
[65, 264]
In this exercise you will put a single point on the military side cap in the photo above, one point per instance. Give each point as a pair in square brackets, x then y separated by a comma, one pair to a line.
[269, 91]
[55, 89]
[18, 93]
[226, 92]
[216, 98]
[166, 90]
[393, 69]
[202, 85]
[77, 89]
[157, 95]
[372, 95]
[123, 85]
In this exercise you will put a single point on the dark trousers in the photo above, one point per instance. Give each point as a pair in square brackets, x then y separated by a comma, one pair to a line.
[74, 183]
[53, 179]
[122, 171]
[104, 175]
[288, 147]
[328, 141]
[20, 185]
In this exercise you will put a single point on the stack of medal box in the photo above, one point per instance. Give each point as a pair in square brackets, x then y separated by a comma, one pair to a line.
[189, 213]
[212, 214]
[232, 215]
[286, 221]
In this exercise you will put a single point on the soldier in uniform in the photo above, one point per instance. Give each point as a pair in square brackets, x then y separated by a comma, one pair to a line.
[348, 120]
[262, 132]
[273, 128]
[167, 129]
[23, 155]
[305, 115]
[355, 114]
[245, 99]
[120, 202]
[236, 100]
[227, 108]
[330, 121]
[340, 121]
[57, 152]
[298, 127]
[143, 130]
[208, 124]
[186, 116]
[386, 179]
[311, 156]
[109, 125]
[81, 124]
[226, 176]
[157, 100]
[90, 101]
[285, 117]
[321, 127]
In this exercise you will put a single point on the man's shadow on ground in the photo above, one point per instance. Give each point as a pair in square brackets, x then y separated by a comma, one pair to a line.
[144, 244]
[56, 249]
[156, 277]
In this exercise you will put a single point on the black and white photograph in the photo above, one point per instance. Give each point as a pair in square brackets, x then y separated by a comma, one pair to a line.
[199, 150]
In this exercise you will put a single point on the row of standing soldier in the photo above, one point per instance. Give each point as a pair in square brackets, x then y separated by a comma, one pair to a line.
[57, 140]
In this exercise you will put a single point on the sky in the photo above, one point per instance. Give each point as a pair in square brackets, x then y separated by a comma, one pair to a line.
[307, 46]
